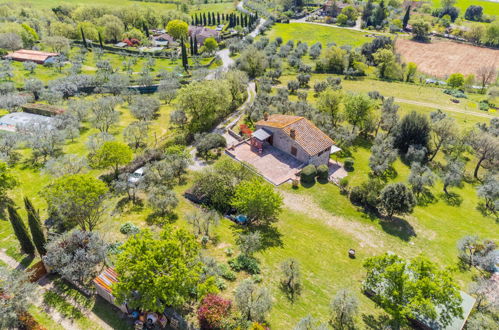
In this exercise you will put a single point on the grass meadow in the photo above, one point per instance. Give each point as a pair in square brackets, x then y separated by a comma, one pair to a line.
[312, 33]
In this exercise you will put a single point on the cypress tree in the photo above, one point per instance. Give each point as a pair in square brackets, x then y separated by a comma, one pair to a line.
[192, 46]
[195, 45]
[204, 19]
[83, 38]
[407, 16]
[218, 18]
[185, 62]
[241, 19]
[209, 19]
[213, 18]
[100, 40]
[35, 227]
[20, 231]
[146, 29]
[237, 21]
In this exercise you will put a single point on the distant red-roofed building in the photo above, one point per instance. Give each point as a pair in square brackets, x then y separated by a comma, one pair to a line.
[27, 55]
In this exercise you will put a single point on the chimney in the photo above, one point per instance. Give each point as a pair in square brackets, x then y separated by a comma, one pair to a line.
[292, 133]
[265, 116]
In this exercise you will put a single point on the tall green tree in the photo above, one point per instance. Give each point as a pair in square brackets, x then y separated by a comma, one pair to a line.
[257, 200]
[185, 62]
[177, 29]
[406, 18]
[158, 272]
[20, 231]
[412, 289]
[35, 227]
[77, 199]
[112, 154]
[7, 180]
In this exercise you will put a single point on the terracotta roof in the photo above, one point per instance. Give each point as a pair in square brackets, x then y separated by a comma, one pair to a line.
[279, 121]
[307, 135]
[30, 55]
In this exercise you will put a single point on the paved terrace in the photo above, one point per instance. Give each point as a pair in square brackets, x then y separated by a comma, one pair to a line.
[274, 165]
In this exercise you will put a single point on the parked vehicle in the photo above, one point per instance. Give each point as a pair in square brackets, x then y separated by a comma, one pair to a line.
[136, 176]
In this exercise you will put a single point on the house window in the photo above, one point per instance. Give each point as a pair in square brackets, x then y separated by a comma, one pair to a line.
[293, 151]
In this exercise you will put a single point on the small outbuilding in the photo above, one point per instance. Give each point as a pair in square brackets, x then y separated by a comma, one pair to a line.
[103, 284]
[27, 55]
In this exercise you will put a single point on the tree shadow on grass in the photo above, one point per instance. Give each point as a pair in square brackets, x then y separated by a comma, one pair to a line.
[23, 264]
[426, 198]
[307, 184]
[4, 202]
[126, 205]
[270, 235]
[398, 227]
[160, 219]
[451, 199]
[380, 322]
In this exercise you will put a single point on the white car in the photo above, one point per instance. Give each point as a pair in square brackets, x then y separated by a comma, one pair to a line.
[136, 176]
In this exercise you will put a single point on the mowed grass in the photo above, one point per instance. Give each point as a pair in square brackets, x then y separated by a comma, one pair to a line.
[312, 33]
[489, 7]
[321, 243]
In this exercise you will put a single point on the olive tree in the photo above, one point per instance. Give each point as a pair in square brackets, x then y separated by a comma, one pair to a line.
[252, 300]
[396, 198]
[77, 255]
[344, 308]
[17, 294]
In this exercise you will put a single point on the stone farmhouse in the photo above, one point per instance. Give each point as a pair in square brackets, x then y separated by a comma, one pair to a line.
[202, 33]
[295, 136]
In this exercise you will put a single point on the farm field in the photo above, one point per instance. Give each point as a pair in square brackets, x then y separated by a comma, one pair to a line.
[311, 33]
[442, 58]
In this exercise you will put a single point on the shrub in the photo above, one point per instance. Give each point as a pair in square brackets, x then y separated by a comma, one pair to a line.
[484, 105]
[226, 273]
[348, 164]
[212, 311]
[308, 174]
[367, 194]
[229, 252]
[129, 229]
[246, 263]
[322, 172]
[343, 184]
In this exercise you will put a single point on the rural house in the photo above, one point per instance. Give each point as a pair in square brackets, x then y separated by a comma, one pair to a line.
[295, 136]
[202, 33]
[26, 55]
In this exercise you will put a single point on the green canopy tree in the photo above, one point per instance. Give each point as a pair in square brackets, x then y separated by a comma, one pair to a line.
[257, 200]
[112, 154]
[177, 29]
[77, 199]
[7, 180]
[35, 227]
[20, 231]
[410, 289]
[156, 273]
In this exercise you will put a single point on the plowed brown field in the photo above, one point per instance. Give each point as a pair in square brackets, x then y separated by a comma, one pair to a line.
[442, 58]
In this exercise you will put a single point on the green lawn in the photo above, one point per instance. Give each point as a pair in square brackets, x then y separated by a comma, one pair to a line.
[489, 7]
[311, 33]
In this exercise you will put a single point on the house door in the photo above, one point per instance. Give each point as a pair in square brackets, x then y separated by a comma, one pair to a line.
[270, 140]
[293, 151]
